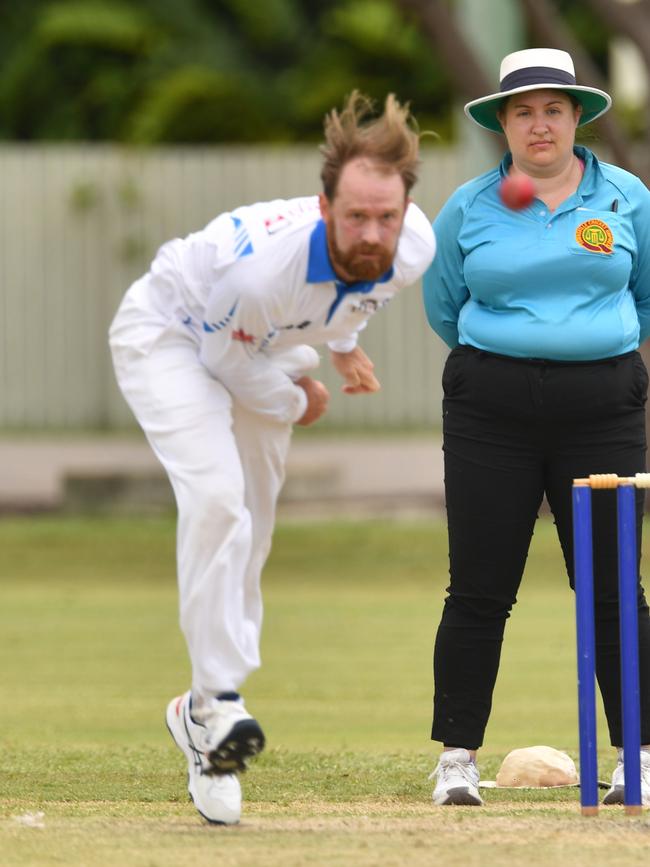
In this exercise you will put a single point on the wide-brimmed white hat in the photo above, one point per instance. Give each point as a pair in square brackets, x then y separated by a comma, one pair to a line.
[537, 69]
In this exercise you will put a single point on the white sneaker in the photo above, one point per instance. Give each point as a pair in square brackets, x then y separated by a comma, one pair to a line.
[616, 794]
[457, 780]
[216, 748]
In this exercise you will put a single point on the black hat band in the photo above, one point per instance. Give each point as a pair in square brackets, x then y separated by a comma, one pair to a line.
[534, 75]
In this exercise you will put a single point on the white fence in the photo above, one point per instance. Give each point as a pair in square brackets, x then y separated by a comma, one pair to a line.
[79, 224]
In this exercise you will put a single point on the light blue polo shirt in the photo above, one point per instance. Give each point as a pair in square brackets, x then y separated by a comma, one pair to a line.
[569, 285]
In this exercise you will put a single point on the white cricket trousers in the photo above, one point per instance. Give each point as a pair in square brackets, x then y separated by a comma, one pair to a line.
[226, 467]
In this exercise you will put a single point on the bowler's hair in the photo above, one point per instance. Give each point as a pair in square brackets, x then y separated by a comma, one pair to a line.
[390, 140]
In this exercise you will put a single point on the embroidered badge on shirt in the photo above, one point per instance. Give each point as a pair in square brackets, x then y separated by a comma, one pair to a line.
[596, 236]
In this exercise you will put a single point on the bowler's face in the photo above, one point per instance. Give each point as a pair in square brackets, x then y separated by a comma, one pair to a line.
[364, 220]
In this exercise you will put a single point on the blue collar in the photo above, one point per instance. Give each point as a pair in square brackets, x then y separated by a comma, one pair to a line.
[320, 270]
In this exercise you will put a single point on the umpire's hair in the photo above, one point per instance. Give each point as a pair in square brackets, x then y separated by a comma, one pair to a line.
[391, 140]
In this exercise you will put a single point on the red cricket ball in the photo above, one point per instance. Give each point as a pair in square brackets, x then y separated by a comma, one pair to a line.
[517, 191]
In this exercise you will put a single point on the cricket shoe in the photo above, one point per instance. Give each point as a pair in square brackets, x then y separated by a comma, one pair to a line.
[216, 748]
[456, 780]
[616, 794]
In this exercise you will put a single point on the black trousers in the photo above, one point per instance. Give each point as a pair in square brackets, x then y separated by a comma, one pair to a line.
[514, 430]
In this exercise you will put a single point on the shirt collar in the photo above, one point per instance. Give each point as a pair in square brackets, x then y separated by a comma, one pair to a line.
[319, 266]
[589, 177]
[591, 173]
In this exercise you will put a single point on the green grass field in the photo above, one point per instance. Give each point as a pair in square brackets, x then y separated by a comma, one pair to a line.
[91, 653]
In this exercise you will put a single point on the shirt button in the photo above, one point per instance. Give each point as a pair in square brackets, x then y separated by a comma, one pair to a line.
[548, 225]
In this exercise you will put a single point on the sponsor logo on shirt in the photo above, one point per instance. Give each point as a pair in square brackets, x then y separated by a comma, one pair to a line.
[275, 224]
[596, 236]
[304, 324]
[293, 210]
[241, 335]
[368, 305]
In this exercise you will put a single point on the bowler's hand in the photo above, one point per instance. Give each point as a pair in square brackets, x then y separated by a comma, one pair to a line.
[317, 399]
[357, 370]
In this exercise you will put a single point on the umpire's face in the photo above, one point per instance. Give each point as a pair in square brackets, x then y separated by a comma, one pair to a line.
[364, 219]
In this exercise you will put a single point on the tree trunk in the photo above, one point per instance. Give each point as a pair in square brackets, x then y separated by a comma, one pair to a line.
[629, 19]
[439, 24]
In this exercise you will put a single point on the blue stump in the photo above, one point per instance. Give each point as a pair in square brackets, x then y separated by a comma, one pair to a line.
[586, 645]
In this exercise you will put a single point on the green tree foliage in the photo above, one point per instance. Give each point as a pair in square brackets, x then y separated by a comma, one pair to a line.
[146, 71]
[150, 71]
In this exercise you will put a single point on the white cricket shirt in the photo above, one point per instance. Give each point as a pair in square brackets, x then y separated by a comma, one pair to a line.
[258, 281]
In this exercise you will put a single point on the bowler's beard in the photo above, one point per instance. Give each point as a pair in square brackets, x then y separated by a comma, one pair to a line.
[352, 267]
